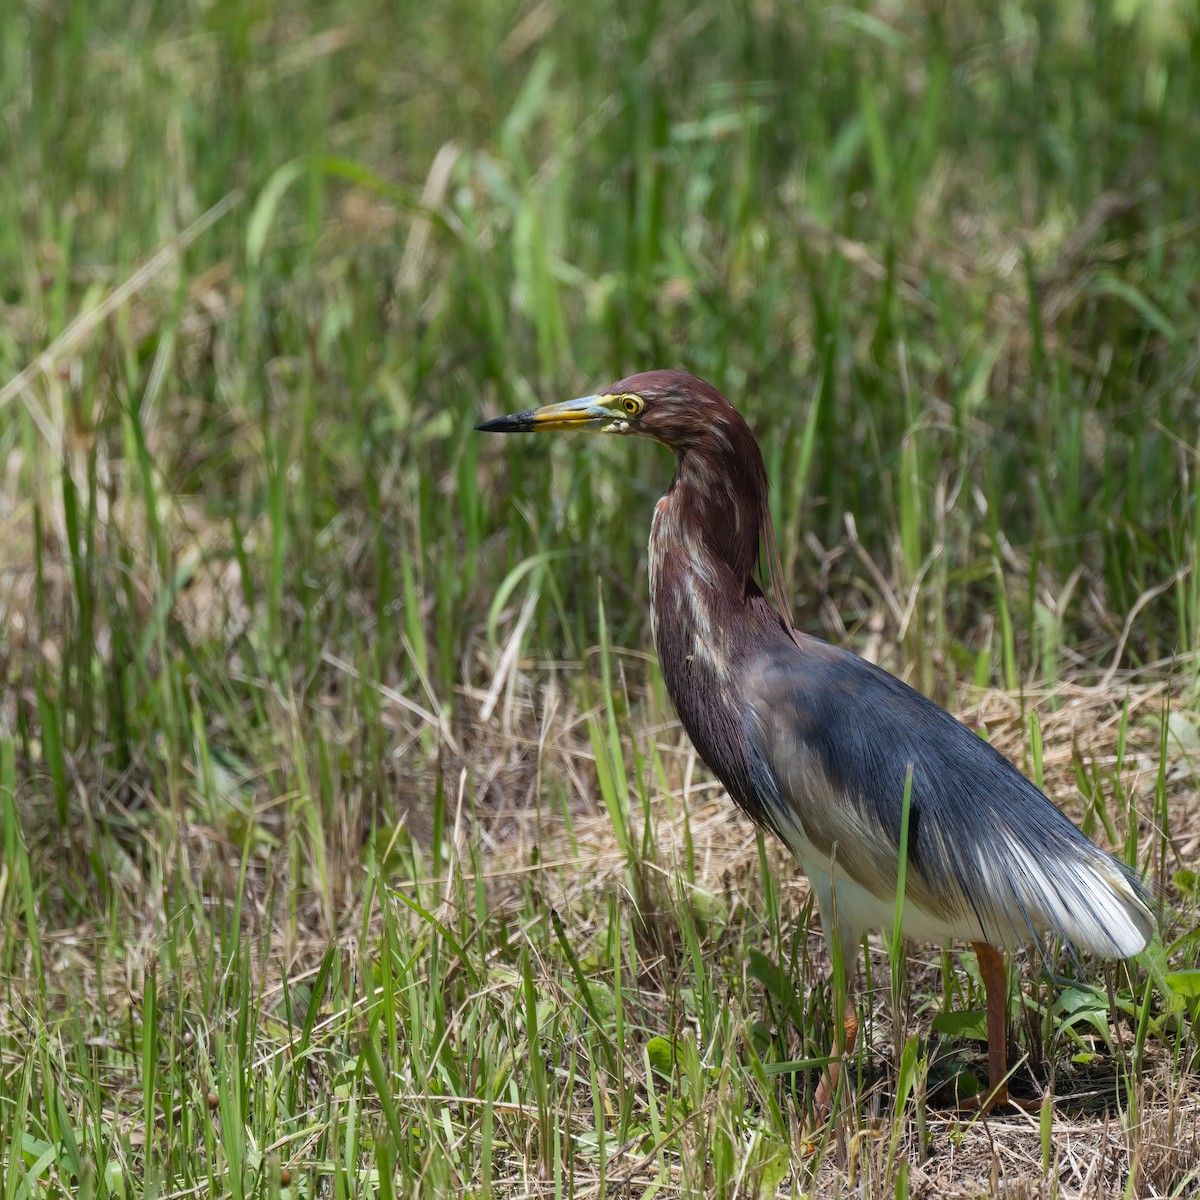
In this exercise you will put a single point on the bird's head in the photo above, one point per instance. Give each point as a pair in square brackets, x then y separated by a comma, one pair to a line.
[671, 407]
[720, 484]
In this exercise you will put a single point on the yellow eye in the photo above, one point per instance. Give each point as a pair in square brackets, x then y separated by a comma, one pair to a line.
[632, 404]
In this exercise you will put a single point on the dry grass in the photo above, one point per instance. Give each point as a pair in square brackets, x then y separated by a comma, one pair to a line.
[1101, 1141]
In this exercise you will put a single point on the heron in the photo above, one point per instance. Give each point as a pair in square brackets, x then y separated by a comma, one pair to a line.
[826, 749]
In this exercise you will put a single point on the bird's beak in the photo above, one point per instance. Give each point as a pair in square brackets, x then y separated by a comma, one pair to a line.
[588, 412]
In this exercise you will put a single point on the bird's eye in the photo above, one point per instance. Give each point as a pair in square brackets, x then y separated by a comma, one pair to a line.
[632, 404]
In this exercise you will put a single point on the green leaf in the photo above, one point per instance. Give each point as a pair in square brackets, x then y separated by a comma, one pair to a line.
[263, 213]
[970, 1023]
[776, 1164]
[661, 1053]
[1074, 1000]
[778, 984]
[1184, 984]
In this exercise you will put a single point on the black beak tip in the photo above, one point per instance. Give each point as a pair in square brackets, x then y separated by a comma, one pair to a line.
[511, 423]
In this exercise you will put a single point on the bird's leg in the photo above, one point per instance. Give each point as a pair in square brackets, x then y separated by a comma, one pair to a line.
[844, 1038]
[995, 985]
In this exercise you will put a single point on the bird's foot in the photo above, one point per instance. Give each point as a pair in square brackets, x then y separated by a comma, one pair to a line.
[986, 1102]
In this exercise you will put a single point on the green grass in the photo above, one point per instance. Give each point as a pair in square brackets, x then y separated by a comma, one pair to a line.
[347, 844]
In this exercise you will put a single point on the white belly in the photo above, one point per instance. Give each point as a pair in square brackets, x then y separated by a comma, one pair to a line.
[846, 905]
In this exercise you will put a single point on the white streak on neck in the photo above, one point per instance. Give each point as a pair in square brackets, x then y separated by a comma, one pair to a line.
[695, 573]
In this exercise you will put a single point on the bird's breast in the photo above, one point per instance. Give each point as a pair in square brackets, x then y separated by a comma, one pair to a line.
[693, 614]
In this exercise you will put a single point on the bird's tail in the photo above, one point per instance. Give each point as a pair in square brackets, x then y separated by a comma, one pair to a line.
[1111, 914]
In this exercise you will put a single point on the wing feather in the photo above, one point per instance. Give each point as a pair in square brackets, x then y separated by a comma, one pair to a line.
[831, 738]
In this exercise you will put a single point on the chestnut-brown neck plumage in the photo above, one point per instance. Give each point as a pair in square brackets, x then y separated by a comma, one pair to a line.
[708, 613]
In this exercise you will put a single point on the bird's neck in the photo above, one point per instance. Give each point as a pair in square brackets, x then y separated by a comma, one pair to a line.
[703, 550]
[712, 515]
[708, 615]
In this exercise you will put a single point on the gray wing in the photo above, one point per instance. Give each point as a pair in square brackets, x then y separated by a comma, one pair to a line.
[831, 738]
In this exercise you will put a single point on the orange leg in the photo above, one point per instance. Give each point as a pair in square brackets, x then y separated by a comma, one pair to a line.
[843, 1045]
[995, 983]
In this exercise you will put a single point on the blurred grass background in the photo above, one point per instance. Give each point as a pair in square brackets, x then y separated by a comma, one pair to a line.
[262, 268]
